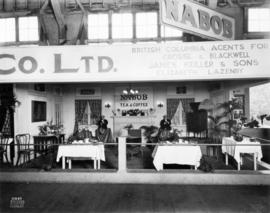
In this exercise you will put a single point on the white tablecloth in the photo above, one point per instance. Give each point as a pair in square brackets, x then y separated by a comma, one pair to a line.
[234, 150]
[173, 154]
[81, 150]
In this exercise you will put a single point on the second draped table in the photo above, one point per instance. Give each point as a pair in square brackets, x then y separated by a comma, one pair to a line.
[231, 147]
[176, 154]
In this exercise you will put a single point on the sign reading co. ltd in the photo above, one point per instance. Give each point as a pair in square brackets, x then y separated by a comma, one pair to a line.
[197, 19]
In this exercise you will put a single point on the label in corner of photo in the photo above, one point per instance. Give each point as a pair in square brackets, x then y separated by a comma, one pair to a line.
[16, 202]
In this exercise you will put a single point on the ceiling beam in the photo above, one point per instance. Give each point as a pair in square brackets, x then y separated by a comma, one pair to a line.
[60, 19]
[11, 5]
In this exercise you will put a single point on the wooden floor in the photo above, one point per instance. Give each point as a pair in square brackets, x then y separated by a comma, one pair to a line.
[66, 197]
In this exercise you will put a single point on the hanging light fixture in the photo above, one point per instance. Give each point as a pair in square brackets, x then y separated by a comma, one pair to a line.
[130, 91]
[222, 3]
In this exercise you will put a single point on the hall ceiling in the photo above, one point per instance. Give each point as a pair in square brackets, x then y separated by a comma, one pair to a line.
[34, 6]
[65, 21]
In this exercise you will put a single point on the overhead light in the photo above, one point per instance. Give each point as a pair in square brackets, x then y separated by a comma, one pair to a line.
[107, 105]
[160, 105]
[222, 3]
[130, 91]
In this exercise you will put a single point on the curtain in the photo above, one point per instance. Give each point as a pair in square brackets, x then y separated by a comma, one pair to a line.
[95, 109]
[178, 116]
[172, 105]
[6, 126]
[3, 112]
[186, 107]
[84, 120]
[80, 106]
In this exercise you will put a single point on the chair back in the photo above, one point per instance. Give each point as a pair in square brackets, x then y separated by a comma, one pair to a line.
[3, 142]
[134, 133]
[23, 141]
[134, 136]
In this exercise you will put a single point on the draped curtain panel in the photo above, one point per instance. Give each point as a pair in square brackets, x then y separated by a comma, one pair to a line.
[95, 108]
[173, 104]
[84, 120]
[6, 128]
[178, 116]
[3, 112]
[186, 107]
[80, 106]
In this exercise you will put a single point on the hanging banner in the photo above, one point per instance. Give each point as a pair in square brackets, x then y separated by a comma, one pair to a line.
[197, 19]
[172, 61]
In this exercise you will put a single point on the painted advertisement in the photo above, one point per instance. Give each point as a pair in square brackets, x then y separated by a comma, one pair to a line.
[197, 19]
[172, 61]
[142, 100]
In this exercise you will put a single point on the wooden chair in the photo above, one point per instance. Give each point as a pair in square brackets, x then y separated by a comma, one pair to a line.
[24, 150]
[3, 148]
[212, 150]
[134, 136]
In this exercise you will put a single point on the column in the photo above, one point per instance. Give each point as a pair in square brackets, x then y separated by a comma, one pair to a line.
[122, 159]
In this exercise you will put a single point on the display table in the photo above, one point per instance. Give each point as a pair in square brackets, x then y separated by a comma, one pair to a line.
[230, 147]
[176, 154]
[42, 143]
[81, 150]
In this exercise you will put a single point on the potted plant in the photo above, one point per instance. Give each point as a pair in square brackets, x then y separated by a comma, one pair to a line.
[150, 134]
[264, 116]
[216, 129]
[50, 128]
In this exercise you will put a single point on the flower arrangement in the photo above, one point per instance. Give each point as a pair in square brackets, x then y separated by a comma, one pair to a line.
[134, 112]
[128, 126]
[50, 128]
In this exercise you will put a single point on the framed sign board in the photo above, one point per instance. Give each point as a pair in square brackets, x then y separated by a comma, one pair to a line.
[39, 111]
[240, 103]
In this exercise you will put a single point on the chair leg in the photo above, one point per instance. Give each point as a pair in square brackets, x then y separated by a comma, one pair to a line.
[18, 159]
[28, 157]
[24, 157]
[1, 158]
[5, 154]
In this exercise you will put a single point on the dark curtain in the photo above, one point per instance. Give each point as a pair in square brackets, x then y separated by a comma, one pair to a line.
[3, 112]
[5, 127]
[186, 107]
[95, 107]
[7, 105]
[80, 106]
[172, 105]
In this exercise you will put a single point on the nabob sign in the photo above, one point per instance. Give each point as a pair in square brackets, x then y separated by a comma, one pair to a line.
[197, 19]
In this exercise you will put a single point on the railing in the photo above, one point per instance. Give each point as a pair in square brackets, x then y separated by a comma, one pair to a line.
[214, 154]
[126, 157]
